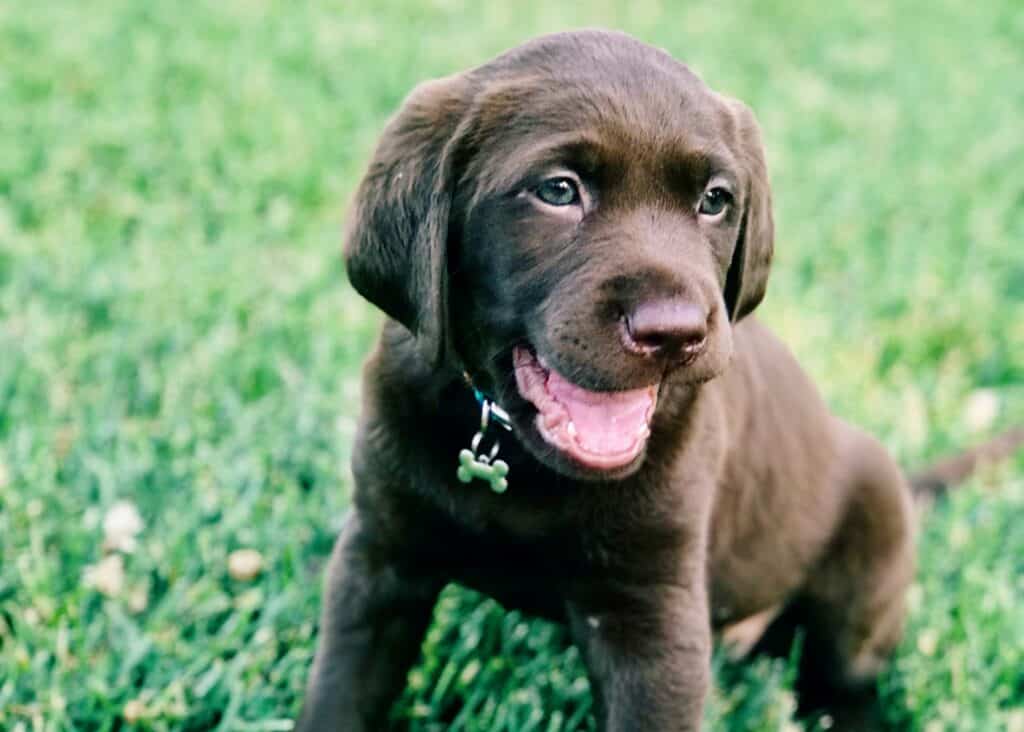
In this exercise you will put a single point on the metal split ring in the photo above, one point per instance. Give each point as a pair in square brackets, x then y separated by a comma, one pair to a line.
[478, 438]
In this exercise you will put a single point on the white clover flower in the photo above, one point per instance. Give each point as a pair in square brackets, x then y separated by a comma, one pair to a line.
[1015, 721]
[245, 564]
[138, 600]
[134, 710]
[981, 410]
[106, 576]
[928, 641]
[120, 527]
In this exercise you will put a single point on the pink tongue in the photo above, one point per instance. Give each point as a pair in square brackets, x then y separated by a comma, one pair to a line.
[606, 422]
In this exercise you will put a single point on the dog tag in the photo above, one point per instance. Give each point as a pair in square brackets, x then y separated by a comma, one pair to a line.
[480, 467]
[476, 465]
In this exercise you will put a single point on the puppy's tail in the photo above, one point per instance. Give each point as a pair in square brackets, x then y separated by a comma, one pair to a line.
[939, 477]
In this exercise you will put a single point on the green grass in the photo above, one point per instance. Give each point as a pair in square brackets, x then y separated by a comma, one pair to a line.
[176, 331]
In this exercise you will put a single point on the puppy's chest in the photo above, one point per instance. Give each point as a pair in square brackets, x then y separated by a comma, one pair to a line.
[524, 572]
[511, 545]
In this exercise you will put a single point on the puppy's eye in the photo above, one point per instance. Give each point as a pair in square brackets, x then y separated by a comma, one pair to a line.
[714, 201]
[559, 192]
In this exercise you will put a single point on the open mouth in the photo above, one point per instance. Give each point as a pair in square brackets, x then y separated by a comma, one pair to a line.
[601, 430]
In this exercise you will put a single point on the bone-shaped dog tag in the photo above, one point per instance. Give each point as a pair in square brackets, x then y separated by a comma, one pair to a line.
[472, 466]
[474, 463]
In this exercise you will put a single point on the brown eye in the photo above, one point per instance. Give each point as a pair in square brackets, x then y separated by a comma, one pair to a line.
[559, 192]
[714, 201]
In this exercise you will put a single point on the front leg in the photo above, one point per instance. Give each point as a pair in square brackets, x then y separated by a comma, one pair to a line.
[648, 654]
[375, 612]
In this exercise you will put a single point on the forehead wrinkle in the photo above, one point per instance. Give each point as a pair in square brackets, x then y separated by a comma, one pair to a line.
[569, 150]
[697, 165]
[524, 126]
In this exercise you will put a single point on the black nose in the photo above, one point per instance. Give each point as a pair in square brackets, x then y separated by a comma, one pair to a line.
[667, 328]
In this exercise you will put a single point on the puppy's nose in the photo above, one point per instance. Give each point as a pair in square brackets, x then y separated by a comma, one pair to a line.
[666, 328]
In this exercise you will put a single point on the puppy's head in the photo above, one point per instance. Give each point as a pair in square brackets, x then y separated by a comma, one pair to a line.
[576, 224]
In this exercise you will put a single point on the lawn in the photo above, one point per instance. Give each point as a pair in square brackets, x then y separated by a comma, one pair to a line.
[177, 336]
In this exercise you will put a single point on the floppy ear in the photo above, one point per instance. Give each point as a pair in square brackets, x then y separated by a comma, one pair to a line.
[747, 279]
[397, 232]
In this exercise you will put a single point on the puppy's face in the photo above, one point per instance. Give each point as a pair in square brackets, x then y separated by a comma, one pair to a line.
[601, 210]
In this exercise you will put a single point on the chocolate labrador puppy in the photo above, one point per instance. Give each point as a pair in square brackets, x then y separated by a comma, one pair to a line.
[578, 232]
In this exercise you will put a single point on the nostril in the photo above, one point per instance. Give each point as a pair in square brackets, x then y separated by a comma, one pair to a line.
[653, 340]
[665, 326]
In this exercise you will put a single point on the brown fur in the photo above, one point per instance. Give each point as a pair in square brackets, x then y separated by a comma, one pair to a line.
[750, 500]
